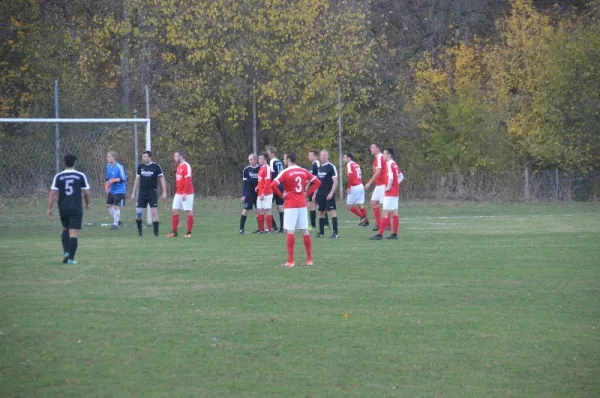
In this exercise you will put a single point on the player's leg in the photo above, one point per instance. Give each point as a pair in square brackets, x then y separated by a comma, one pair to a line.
[188, 206]
[74, 226]
[154, 211]
[302, 225]
[64, 237]
[351, 201]
[177, 206]
[291, 218]
[243, 218]
[109, 205]
[312, 208]
[322, 207]
[261, 204]
[268, 220]
[275, 198]
[331, 210]
[376, 200]
[384, 222]
[394, 217]
[360, 204]
[141, 204]
[281, 215]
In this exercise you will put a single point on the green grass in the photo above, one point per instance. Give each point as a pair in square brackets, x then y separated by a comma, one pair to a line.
[475, 300]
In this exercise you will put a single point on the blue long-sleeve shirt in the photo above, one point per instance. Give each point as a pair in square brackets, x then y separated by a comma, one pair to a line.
[117, 171]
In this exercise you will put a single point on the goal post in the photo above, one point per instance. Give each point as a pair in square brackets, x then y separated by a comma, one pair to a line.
[90, 121]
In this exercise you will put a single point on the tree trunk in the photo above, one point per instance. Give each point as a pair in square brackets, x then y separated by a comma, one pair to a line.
[527, 188]
[125, 68]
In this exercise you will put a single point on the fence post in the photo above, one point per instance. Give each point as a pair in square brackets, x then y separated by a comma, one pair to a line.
[527, 192]
[148, 148]
[341, 172]
[56, 128]
[555, 184]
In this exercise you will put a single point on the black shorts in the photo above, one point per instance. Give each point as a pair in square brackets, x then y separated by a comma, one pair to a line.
[70, 219]
[115, 199]
[147, 197]
[324, 204]
[250, 201]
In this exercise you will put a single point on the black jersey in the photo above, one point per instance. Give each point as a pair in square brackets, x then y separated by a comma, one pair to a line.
[315, 168]
[149, 174]
[325, 174]
[276, 167]
[250, 180]
[70, 184]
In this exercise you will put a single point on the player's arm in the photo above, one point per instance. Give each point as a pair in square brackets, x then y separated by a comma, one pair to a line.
[136, 183]
[244, 185]
[400, 176]
[275, 187]
[334, 178]
[163, 185]
[376, 174]
[315, 183]
[51, 199]
[390, 177]
[86, 198]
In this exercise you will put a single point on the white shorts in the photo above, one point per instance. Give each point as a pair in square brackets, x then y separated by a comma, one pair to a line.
[390, 203]
[356, 196]
[264, 204]
[378, 194]
[295, 218]
[187, 204]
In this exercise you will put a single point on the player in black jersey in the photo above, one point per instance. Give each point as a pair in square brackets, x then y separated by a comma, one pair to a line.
[68, 185]
[325, 195]
[249, 184]
[313, 158]
[276, 168]
[146, 178]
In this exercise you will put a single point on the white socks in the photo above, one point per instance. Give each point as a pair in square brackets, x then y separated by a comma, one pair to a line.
[117, 216]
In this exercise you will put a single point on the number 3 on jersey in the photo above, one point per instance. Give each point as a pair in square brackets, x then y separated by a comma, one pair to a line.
[298, 184]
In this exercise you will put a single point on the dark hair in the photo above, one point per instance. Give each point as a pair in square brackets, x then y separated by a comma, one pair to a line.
[149, 153]
[291, 156]
[264, 155]
[390, 151]
[70, 160]
[377, 145]
[181, 153]
[314, 152]
[350, 155]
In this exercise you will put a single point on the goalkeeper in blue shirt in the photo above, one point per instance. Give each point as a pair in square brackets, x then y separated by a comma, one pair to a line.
[115, 187]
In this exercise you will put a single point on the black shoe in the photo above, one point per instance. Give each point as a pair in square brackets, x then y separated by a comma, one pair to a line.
[281, 231]
[258, 231]
[120, 223]
[365, 223]
[393, 236]
[320, 236]
[241, 232]
[141, 235]
[376, 228]
[114, 228]
[275, 228]
[375, 237]
[334, 236]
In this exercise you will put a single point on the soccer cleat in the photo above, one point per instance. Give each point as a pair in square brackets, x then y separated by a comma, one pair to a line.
[114, 228]
[287, 264]
[72, 262]
[363, 222]
[281, 231]
[188, 235]
[376, 237]
[392, 236]
[376, 228]
[275, 228]
[258, 231]
[334, 236]
[309, 263]
[171, 235]
[120, 223]
[320, 236]
[65, 258]
[241, 232]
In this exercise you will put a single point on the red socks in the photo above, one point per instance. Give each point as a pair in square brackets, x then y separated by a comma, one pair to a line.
[356, 211]
[269, 222]
[290, 247]
[363, 212]
[174, 222]
[261, 222]
[190, 223]
[308, 247]
[377, 213]
[395, 225]
[383, 223]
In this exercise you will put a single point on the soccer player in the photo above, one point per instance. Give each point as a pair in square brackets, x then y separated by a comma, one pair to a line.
[249, 195]
[276, 168]
[390, 201]
[324, 197]
[184, 195]
[356, 191]
[69, 185]
[295, 180]
[313, 157]
[115, 187]
[265, 195]
[380, 179]
[147, 176]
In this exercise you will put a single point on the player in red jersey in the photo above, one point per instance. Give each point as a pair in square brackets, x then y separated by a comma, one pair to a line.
[295, 180]
[265, 195]
[184, 196]
[355, 199]
[392, 194]
[380, 180]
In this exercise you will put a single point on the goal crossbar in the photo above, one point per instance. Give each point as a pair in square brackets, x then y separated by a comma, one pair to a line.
[47, 120]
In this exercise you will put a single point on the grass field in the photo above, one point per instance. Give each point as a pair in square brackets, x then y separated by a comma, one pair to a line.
[474, 300]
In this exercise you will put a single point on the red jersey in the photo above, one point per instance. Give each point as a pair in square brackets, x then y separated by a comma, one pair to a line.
[183, 178]
[294, 180]
[379, 163]
[354, 174]
[393, 172]
[264, 181]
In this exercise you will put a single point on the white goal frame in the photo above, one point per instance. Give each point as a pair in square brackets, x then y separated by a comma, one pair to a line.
[58, 121]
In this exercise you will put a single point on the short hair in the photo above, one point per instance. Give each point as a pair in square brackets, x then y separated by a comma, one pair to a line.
[70, 160]
[314, 152]
[325, 150]
[181, 153]
[272, 149]
[291, 156]
[113, 154]
[264, 155]
[377, 145]
[149, 153]
[253, 155]
[390, 151]
[350, 155]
